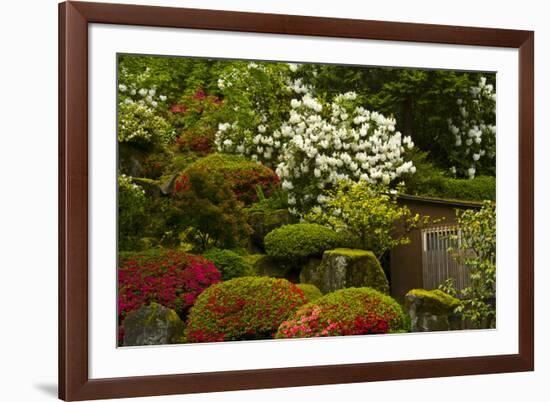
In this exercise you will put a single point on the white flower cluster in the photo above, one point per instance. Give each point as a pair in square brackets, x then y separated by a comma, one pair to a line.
[138, 123]
[320, 145]
[143, 96]
[133, 89]
[474, 132]
[127, 183]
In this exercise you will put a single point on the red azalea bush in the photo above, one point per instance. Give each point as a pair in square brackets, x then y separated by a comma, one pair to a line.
[173, 279]
[352, 311]
[242, 308]
[244, 176]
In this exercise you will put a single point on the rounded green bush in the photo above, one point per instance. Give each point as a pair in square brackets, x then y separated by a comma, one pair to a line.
[299, 241]
[351, 311]
[229, 263]
[311, 292]
[242, 309]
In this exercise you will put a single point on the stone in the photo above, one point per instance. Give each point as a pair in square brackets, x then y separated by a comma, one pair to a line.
[430, 310]
[167, 187]
[345, 268]
[152, 325]
[130, 160]
[264, 265]
[263, 222]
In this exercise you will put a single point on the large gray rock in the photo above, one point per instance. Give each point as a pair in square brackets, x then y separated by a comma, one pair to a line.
[263, 222]
[130, 160]
[345, 268]
[430, 310]
[152, 325]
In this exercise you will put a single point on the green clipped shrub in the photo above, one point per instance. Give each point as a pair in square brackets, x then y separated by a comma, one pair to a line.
[229, 263]
[351, 311]
[300, 241]
[242, 309]
[431, 181]
[243, 176]
[478, 189]
[311, 292]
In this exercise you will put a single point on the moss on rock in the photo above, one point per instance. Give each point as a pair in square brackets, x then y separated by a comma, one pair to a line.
[435, 301]
[430, 310]
[263, 265]
[153, 325]
[343, 268]
[263, 222]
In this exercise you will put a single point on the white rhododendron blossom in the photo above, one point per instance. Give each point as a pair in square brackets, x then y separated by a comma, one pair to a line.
[131, 89]
[128, 184]
[474, 131]
[138, 123]
[321, 144]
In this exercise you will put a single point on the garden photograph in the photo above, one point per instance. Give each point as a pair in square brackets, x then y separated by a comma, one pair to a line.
[262, 200]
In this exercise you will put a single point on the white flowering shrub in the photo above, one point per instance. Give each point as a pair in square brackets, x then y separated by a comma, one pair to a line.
[321, 144]
[258, 100]
[136, 88]
[139, 124]
[473, 141]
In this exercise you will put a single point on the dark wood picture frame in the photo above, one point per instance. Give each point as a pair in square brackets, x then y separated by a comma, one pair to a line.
[74, 382]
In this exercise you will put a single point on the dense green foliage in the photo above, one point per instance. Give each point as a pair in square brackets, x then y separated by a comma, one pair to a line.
[352, 311]
[131, 213]
[368, 214]
[299, 241]
[211, 214]
[430, 181]
[477, 251]
[229, 263]
[242, 308]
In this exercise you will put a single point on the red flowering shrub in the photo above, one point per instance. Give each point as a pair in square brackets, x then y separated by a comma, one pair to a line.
[243, 175]
[352, 311]
[173, 279]
[242, 308]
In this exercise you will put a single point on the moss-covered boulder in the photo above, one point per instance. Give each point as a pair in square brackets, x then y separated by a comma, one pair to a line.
[152, 325]
[430, 310]
[264, 265]
[263, 222]
[345, 268]
[311, 292]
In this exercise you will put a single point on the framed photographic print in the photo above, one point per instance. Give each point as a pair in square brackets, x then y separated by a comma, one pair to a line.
[261, 200]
